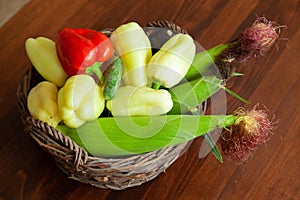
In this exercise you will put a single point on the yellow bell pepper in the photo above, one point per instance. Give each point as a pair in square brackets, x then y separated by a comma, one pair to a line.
[170, 64]
[134, 48]
[42, 103]
[80, 100]
[140, 101]
[42, 54]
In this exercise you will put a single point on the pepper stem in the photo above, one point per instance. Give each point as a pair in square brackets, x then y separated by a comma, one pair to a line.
[95, 69]
[156, 85]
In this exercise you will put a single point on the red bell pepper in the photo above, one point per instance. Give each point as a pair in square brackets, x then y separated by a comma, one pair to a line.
[78, 49]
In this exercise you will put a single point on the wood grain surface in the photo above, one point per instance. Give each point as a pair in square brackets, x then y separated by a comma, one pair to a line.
[27, 172]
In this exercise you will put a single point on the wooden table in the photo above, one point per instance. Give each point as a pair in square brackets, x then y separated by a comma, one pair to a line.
[27, 172]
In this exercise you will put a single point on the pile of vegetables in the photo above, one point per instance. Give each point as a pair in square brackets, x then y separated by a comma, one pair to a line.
[118, 95]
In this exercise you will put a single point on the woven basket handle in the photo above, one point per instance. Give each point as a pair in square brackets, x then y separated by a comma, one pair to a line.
[167, 24]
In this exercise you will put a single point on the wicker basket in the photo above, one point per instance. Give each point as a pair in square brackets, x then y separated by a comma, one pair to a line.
[112, 173]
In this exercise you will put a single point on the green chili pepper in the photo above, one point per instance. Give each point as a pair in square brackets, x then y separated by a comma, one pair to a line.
[113, 75]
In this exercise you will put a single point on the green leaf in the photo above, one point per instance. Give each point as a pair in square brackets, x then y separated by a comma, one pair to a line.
[214, 147]
[209, 81]
[121, 136]
[236, 74]
[203, 60]
[190, 94]
[236, 95]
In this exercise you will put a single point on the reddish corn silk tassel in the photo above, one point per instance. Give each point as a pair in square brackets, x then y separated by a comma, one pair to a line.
[258, 38]
[250, 130]
[254, 41]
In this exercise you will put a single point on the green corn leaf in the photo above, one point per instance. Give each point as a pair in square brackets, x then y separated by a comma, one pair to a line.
[236, 95]
[121, 136]
[214, 147]
[191, 94]
[236, 74]
[203, 60]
